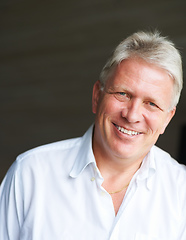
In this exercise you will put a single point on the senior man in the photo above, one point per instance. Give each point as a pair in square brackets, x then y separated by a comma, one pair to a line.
[112, 183]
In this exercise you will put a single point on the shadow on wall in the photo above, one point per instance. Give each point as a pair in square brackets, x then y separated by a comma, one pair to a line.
[182, 148]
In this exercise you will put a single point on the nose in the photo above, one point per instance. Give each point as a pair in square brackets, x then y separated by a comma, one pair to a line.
[133, 111]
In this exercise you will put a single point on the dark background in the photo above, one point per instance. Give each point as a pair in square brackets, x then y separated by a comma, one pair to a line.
[51, 53]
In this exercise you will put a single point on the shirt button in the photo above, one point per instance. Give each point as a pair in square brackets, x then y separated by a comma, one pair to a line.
[92, 179]
[103, 193]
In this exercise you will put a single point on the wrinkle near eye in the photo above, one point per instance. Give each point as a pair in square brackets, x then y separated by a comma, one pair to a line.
[153, 107]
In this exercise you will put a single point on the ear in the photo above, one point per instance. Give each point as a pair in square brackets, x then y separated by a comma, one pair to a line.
[95, 96]
[170, 115]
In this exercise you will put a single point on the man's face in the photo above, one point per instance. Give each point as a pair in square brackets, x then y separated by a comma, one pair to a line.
[132, 110]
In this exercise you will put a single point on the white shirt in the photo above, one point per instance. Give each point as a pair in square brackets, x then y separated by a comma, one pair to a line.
[54, 192]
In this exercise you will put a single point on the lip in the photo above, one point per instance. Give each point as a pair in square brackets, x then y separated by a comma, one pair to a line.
[127, 131]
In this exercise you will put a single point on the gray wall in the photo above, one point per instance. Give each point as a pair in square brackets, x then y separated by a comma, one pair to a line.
[51, 52]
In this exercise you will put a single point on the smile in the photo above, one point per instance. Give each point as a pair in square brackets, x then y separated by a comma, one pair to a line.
[128, 132]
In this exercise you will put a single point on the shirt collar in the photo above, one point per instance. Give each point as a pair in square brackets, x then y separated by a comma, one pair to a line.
[85, 154]
[147, 169]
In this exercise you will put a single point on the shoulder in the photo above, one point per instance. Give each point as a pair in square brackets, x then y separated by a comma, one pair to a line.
[48, 153]
[168, 166]
[57, 152]
[161, 154]
[165, 159]
[170, 179]
[43, 162]
[63, 145]
[53, 159]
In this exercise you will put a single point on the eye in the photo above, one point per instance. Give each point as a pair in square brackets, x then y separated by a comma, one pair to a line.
[152, 104]
[121, 96]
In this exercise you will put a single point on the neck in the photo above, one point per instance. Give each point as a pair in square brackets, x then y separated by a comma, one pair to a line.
[117, 180]
[114, 166]
[112, 170]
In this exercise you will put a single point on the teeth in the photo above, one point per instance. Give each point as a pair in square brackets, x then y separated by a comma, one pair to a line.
[129, 132]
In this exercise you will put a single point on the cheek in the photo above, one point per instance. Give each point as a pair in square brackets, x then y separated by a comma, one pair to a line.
[108, 107]
[113, 107]
[155, 122]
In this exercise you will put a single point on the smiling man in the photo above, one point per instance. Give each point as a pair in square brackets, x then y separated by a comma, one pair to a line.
[113, 183]
[132, 110]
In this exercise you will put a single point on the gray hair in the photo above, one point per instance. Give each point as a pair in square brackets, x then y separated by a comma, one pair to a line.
[154, 49]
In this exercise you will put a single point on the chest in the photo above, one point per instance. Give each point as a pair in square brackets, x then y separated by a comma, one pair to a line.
[89, 212]
[117, 199]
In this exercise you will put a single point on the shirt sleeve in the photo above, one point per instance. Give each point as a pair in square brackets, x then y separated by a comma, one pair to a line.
[182, 203]
[182, 233]
[10, 199]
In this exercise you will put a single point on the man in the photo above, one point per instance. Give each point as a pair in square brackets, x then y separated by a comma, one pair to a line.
[112, 183]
